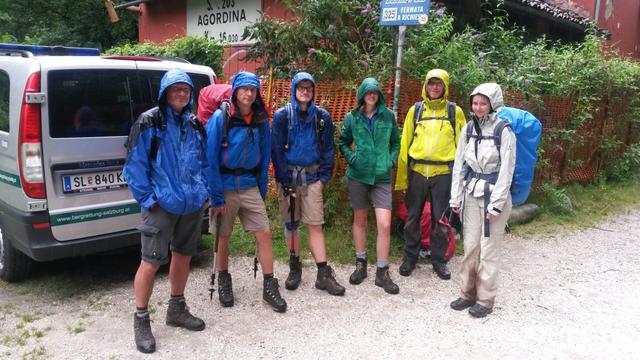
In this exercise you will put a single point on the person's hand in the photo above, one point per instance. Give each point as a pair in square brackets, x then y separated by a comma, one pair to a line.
[154, 206]
[490, 216]
[456, 210]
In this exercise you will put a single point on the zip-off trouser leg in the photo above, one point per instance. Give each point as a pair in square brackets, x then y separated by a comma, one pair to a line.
[481, 262]
[437, 189]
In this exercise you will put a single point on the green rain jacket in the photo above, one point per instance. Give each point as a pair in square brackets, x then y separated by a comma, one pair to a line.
[374, 152]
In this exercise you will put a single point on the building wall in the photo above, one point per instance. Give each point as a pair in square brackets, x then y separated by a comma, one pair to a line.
[622, 20]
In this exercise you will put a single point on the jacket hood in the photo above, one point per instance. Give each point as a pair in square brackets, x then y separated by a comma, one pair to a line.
[297, 78]
[493, 92]
[438, 74]
[370, 84]
[172, 77]
[245, 78]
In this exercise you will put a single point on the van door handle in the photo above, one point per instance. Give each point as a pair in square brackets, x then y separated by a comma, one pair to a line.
[5, 144]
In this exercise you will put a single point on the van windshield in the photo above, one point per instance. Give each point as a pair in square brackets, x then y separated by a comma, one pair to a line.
[103, 102]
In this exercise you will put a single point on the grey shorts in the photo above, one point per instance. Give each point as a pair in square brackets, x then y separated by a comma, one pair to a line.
[359, 194]
[162, 231]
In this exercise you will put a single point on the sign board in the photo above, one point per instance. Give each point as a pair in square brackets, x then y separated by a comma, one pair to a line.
[404, 12]
[222, 20]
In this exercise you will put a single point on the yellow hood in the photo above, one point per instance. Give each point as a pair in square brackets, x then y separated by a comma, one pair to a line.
[438, 74]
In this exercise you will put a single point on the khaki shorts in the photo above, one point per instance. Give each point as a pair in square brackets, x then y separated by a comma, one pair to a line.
[309, 204]
[248, 205]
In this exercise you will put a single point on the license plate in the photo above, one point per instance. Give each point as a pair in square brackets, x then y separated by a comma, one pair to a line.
[93, 181]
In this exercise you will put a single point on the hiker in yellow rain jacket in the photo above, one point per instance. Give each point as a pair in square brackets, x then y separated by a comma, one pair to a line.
[430, 133]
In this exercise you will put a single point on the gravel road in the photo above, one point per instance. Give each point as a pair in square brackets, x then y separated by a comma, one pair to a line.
[572, 296]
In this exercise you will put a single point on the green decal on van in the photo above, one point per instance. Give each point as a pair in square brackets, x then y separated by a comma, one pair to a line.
[95, 214]
[10, 179]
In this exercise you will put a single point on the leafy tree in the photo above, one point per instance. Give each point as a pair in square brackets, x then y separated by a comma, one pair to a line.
[64, 22]
[332, 38]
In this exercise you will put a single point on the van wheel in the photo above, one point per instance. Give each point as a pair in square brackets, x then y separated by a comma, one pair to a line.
[14, 265]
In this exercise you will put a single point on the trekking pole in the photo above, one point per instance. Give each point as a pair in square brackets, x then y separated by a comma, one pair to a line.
[292, 212]
[212, 289]
[255, 261]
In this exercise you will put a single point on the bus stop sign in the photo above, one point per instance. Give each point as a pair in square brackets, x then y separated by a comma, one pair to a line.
[403, 12]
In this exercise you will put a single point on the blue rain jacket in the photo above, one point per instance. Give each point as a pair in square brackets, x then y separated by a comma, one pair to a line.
[247, 146]
[303, 146]
[175, 179]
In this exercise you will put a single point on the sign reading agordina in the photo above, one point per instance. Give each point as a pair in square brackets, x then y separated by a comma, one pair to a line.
[222, 20]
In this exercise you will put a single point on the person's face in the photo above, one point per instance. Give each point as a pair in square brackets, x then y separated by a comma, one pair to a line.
[246, 95]
[304, 92]
[371, 98]
[480, 106]
[178, 96]
[435, 88]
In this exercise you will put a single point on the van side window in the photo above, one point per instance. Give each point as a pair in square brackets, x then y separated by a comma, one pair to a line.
[199, 81]
[90, 103]
[4, 101]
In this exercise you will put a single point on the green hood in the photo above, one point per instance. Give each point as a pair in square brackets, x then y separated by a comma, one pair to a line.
[371, 84]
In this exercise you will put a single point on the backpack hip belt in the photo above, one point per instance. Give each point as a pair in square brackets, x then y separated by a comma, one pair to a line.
[299, 174]
[239, 171]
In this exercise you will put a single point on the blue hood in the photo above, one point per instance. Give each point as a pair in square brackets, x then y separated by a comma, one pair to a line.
[294, 83]
[245, 78]
[171, 77]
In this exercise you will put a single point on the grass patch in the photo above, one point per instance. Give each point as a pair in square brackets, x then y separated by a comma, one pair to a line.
[591, 205]
[39, 352]
[76, 329]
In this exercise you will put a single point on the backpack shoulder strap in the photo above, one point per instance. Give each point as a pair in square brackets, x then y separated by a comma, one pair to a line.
[417, 112]
[225, 108]
[319, 125]
[289, 109]
[497, 134]
[452, 116]
[159, 124]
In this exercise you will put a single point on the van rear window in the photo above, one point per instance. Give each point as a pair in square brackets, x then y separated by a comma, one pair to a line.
[102, 102]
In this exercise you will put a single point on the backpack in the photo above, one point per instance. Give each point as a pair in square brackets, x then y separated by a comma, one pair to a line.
[319, 125]
[417, 117]
[225, 107]
[210, 99]
[528, 130]
[160, 125]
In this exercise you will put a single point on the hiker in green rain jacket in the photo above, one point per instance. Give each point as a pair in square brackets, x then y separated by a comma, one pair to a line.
[371, 127]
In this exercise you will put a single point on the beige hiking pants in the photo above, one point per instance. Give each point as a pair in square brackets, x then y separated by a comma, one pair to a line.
[481, 262]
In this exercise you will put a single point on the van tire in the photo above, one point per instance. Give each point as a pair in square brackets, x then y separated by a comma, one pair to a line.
[14, 265]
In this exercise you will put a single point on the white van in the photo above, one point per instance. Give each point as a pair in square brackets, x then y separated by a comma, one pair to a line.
[65, 114]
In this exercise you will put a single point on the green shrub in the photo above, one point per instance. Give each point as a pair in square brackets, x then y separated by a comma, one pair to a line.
[195, 49]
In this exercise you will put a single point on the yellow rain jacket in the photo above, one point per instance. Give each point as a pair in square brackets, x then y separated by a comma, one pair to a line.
[433, 138]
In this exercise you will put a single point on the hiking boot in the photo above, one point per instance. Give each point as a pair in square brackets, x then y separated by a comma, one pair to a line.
[326, 281]
[145, 342]
[442, 271]
[360, 273]
[295, 273]
[461, 303]
[178, 315]
[479, 311]
[383, 279]
[406, 268]
[225, 289]
[271, 295]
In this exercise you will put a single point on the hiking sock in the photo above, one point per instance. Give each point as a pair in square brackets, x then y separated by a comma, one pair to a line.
[177, 297]
[142, 312]
[361, 256]
[267, 276]
[321, 264]
[382, 263]
[223, 272]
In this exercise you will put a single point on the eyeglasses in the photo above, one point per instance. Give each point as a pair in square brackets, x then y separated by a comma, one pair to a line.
[304, 88]
[184, 90]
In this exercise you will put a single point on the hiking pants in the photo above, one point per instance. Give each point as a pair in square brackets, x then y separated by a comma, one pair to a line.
[437, 189]
[481, 262]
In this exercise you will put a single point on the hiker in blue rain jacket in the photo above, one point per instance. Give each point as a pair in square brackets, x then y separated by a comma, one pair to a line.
[238, 151]
[303, 155]
[165, 172]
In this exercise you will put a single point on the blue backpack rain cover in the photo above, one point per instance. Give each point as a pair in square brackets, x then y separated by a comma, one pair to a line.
[528, 130]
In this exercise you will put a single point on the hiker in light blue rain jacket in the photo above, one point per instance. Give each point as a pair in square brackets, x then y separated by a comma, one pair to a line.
[238, 151]
[164, 170]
